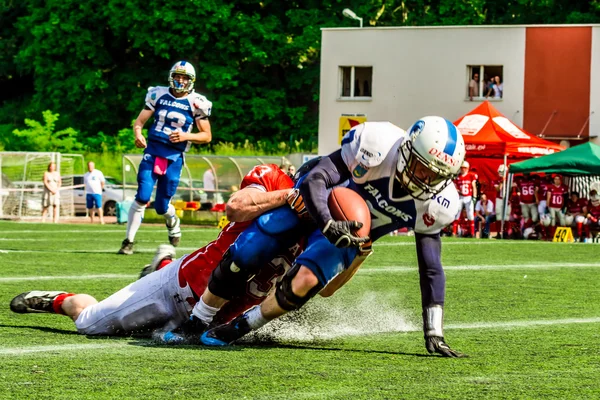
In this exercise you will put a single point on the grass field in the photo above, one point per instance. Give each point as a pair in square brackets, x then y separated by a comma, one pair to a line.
[527, 314]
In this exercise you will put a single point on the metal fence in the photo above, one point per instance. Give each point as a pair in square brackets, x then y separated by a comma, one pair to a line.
[22, 187]
[225, 173]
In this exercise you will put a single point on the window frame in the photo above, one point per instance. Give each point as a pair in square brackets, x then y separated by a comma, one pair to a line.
[340, 92]
[481, 67]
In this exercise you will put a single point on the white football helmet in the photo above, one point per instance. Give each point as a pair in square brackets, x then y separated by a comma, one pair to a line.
[501, 170]
[545, 219]
[182, 68]
[430, 157]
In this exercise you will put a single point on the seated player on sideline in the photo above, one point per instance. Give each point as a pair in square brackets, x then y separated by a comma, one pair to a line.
[576, 211]
[164, 300]
[405, 179]
[592, 218]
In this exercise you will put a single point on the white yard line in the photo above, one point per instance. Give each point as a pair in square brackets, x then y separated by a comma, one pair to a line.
[470, 243]
[401, 269]
[67, 277]
[59, 348]
[372, 270]
[19, 351]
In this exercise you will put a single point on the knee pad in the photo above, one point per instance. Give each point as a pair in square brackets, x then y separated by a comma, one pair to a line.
[227, 280]
[284, 295]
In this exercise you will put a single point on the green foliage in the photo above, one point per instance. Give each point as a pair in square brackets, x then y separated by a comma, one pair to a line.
[44, 137]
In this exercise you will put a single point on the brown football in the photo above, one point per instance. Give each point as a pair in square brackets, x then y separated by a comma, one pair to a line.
[347, 205]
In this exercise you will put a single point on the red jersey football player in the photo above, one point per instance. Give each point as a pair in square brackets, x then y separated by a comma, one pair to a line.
[500, 193]
[165, 299]
[466, 184]
[541, 192]
[556, 201]
[576, 211]
[593, 213]
[526, 187]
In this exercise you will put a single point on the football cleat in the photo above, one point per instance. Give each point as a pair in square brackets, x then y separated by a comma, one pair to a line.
[226, 334]
[36, 301]
[163, 252]
[188, 332]
[174, 232]
[126, 247]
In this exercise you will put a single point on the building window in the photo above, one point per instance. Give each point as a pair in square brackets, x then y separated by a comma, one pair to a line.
[485, 82]
[356, 82]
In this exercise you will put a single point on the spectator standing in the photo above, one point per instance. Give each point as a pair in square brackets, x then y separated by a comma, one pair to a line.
[209, 183]
[51, 198]
[474, 87]
[484, 213]
[497, 88]
[94, 184]
[291, 171]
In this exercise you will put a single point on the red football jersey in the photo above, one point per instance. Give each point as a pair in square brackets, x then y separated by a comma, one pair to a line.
[576, 207]
[464, 184]
[197, 267]
[543, 189]
[594, 210]
[557, 199]
[527, 191]
[497, 185]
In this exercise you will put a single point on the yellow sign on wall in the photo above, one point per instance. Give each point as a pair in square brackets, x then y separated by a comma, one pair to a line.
[349, 121]
[563, 234]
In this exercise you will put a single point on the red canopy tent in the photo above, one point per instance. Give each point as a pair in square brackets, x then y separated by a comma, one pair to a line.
[492, 139]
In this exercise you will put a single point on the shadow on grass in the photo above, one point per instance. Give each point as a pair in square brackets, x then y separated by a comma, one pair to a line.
[41, 328]
[271, 345]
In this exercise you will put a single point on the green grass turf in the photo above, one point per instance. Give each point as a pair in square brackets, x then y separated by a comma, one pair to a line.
[365, 342]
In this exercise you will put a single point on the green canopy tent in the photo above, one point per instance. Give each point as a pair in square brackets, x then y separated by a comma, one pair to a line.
[579, 160]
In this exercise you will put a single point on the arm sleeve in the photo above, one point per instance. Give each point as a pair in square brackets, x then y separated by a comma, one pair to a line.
[431, 273]
[330, 171]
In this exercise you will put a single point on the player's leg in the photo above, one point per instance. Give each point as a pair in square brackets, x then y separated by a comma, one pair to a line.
[461, 203]
[262, 241]
[561, 217]
[146, 180]
[319, 264]
[157, 301]
[89, 205]
[533, 211]
[579, 221]
[164, 255]
[40, 301]
[165, 190]
[470, 214]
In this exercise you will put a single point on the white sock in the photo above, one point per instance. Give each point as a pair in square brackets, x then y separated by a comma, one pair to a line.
[134, 220]
[204, 312]
[170, 216]
[255, 318]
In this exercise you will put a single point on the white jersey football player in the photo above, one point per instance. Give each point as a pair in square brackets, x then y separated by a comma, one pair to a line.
[405, 179]
[176, 109]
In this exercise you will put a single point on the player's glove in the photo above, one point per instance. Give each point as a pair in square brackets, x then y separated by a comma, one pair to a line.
[295, 201]
[340, 233]
[436, 344]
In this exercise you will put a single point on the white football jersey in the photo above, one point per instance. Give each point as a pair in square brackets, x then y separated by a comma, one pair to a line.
[371, 151]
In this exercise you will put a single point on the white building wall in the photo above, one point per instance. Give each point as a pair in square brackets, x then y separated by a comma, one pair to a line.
[594, 127]
[417, 72]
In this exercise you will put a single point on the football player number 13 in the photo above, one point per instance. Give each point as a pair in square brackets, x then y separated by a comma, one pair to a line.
[173, 118]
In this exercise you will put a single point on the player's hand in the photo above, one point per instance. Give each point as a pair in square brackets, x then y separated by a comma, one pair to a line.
[295, 201]
[340, 233]
[140, 141]
[436, 344]
[177, 136]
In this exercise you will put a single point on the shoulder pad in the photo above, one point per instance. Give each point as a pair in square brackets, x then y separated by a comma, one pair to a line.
[438, 212]
[200, 104]
[375, 142]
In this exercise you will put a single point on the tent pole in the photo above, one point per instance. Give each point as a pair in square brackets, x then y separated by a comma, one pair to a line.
[504, 193]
